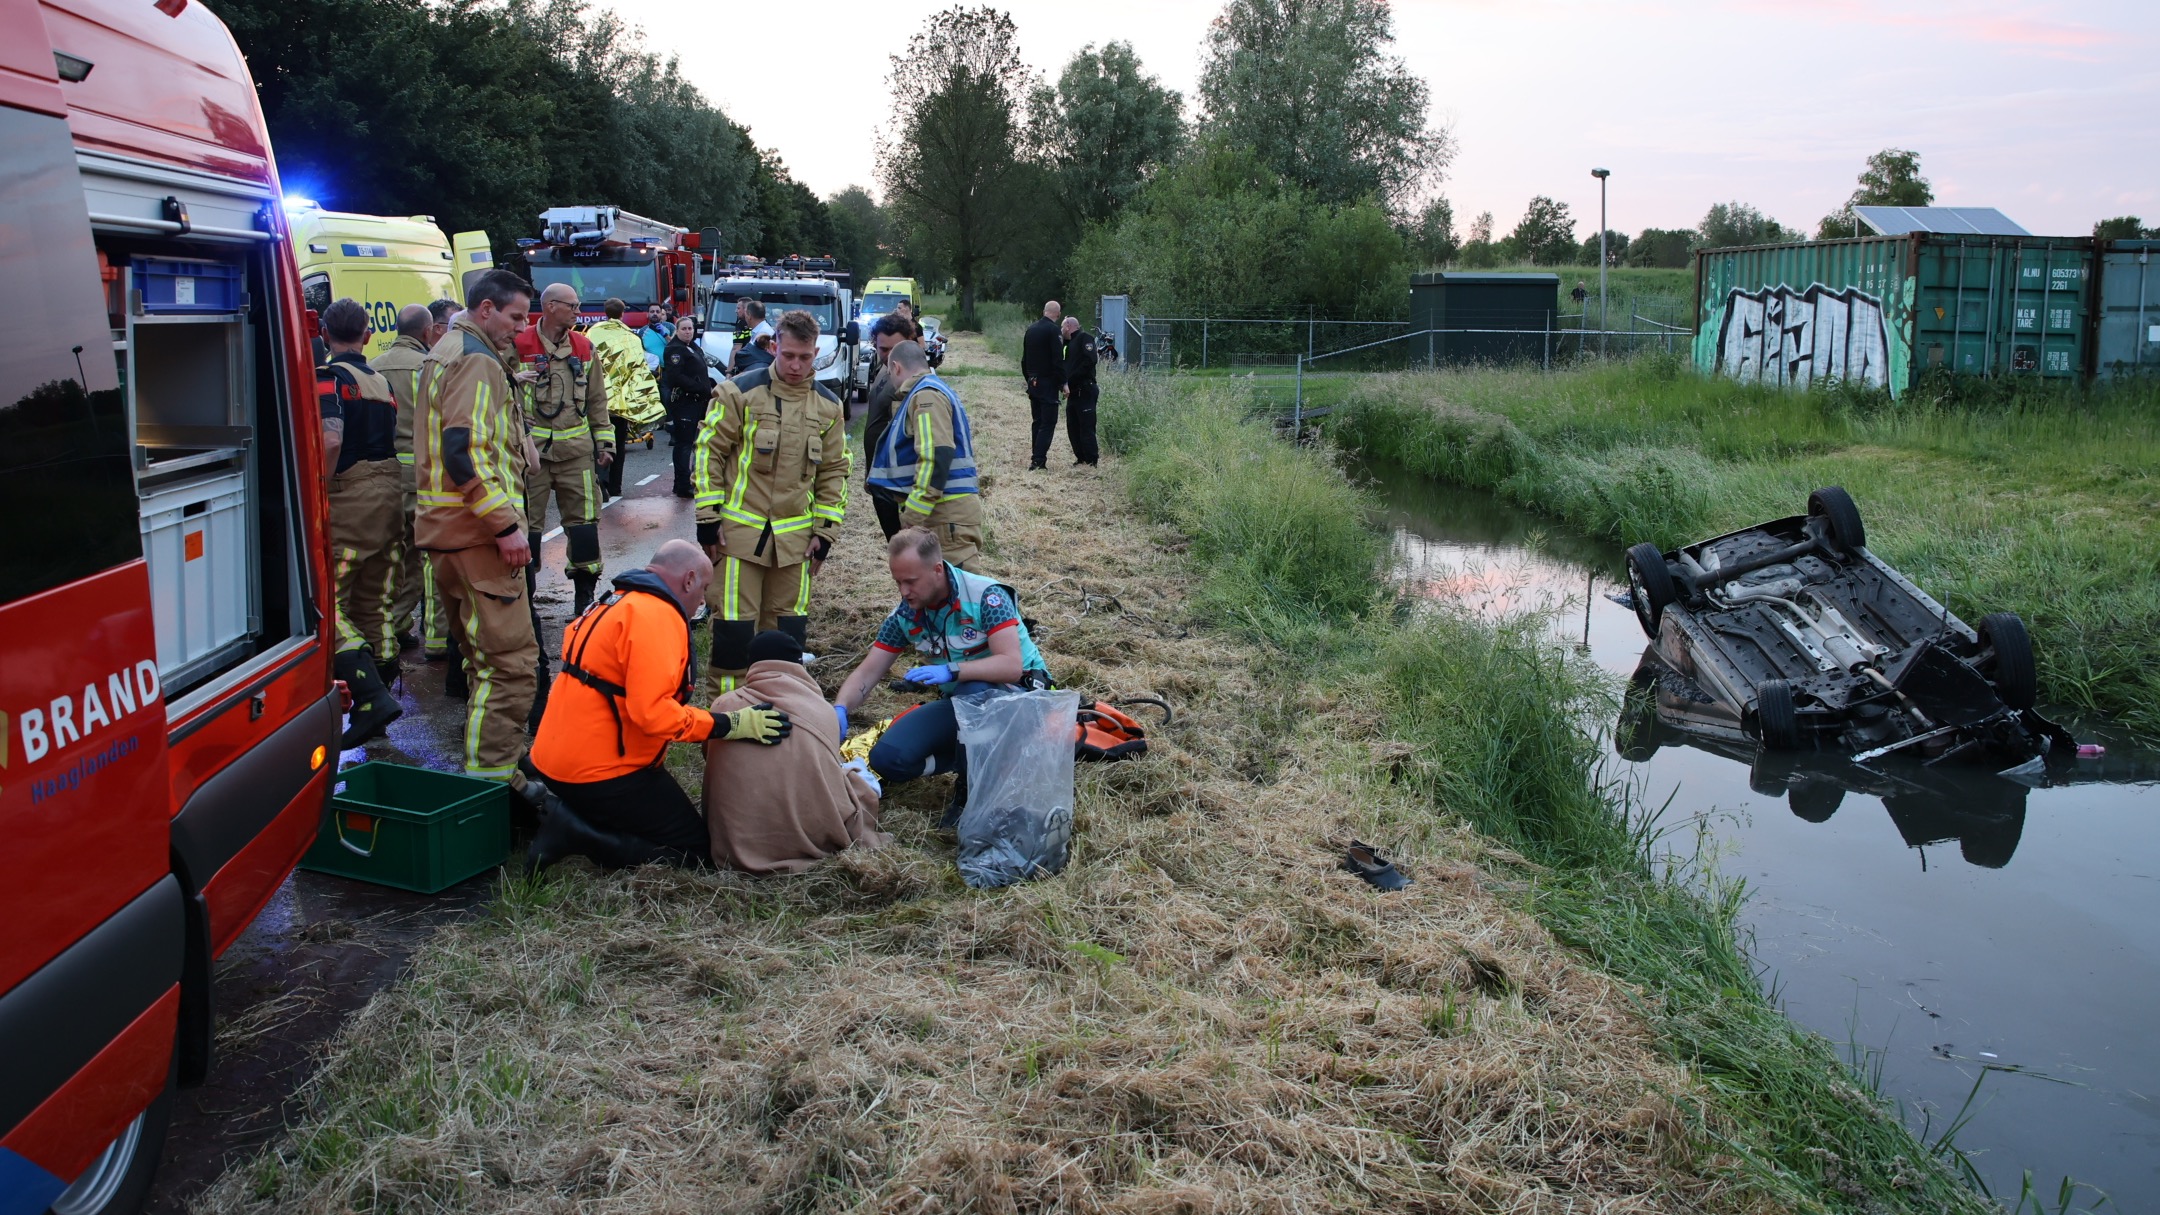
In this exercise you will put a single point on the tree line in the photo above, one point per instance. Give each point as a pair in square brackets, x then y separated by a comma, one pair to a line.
[1304, 174]
[1287, 187]
[484, 113]
[1545, 235]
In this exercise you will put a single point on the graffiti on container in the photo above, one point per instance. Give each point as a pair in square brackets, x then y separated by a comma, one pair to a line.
[1792, 338]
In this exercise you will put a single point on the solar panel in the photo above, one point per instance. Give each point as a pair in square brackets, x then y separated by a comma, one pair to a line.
[1948, 221]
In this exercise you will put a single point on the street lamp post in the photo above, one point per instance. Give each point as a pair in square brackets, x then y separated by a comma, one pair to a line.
[1601, 175]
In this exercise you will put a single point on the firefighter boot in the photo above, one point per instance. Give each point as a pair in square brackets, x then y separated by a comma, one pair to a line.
[582, 540]
[542, 676]
[454, 685]
[797, 627]
[373, 707]
[563, 834]
[730, 658]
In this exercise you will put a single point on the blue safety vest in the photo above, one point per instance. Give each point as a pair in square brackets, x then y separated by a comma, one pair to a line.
[894, 465]
[953, 632]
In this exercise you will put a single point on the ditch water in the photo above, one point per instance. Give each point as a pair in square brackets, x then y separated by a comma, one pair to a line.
[1950, 929]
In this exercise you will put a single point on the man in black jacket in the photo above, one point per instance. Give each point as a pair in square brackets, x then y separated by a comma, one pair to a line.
[1080, 391]
[1042, 363]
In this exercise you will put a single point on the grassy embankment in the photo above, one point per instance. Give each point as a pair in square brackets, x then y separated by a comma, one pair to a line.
[2042, 503]
[1200, 1014]
[1486, 722]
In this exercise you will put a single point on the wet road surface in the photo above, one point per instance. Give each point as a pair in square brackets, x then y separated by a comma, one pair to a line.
[325, 945]
[1952, 928]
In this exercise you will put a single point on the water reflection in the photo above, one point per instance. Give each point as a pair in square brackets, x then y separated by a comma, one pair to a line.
[2029, 960]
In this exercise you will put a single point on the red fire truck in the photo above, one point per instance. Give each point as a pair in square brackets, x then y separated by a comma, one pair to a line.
[608, 253]
[168, 719]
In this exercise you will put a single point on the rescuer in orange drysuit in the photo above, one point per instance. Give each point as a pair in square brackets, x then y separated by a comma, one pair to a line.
[622, 695]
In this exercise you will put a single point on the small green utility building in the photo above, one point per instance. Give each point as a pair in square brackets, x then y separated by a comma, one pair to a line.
[1483, 317]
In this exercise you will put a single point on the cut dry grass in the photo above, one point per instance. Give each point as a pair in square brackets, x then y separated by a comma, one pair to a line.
[1200, 1014]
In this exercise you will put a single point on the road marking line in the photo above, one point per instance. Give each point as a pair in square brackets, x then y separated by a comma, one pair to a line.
[614, 502]
[551, 535]
[649, 480]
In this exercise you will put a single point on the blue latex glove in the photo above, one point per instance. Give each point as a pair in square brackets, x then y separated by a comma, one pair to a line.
[931, 676]
[840, 711]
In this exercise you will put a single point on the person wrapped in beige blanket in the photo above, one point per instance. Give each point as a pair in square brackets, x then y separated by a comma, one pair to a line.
[782, 809]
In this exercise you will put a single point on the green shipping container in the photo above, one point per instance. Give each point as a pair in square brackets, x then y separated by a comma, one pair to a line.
[2129, 309]
[1885, 310]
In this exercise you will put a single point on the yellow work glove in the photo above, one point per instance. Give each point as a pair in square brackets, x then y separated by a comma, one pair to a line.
[758, 723]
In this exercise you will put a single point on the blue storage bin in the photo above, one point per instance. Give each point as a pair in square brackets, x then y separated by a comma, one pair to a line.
[169, 285]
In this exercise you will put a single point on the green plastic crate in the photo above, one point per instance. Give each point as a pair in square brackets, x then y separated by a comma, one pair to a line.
[411, 828]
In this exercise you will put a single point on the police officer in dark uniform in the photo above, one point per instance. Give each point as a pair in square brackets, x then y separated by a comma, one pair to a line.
[1080, 392]
[367, 516]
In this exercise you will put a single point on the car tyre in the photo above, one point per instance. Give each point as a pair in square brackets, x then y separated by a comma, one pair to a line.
[1650, 585]
[2016, 678]
[118, 1181]
[1777, 718]
[1836, 508]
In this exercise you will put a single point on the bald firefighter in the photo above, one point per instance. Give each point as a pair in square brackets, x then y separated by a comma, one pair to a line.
[622, 697]
[470, 457]
[926, 457]
[566, 408]
[419, 327]
[365, 526]
[771, 475]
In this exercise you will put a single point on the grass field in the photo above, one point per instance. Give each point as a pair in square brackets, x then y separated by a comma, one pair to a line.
[1483, 724]
[1200, 1014]
[2044, 503]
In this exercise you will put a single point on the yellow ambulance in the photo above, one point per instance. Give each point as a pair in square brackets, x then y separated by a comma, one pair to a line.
[383, 261]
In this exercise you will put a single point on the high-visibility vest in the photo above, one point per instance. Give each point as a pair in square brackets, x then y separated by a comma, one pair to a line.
[895, 465]
[953, 631]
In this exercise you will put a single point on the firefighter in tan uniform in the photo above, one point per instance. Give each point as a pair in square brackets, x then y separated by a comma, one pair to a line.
[419, 327]
[771, 474]
[566, 409]
[470, 459]
[365, 528]
[926, 458]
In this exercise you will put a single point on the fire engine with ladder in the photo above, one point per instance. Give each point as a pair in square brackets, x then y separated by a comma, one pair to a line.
[605, 252]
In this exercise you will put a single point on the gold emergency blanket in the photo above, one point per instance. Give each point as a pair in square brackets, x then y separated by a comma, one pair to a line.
[632, 392]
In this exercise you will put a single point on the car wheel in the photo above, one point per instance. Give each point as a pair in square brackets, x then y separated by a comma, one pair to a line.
[1835, 507]
[1777, 719]
[1650, 585]
[118, 1181]
[1816, 800]
[2017, 680]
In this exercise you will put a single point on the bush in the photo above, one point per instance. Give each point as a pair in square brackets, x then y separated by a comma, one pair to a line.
[1218, 232]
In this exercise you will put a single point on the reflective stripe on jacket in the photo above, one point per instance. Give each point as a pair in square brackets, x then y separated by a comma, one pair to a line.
[567, 408]
[771, 467]
[931, 417]
[468, 446]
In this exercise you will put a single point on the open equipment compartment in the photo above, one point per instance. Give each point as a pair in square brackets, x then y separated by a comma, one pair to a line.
[198, 357]
[185, 351]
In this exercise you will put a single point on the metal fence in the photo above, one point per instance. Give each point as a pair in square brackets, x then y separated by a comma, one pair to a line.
[1297, 388]
[1248, 344]
[1211, 343]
